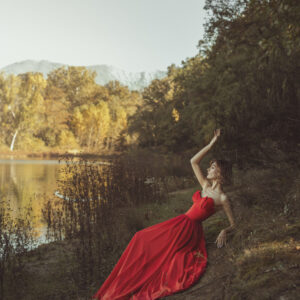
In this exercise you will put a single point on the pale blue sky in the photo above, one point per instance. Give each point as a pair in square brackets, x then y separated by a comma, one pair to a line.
[134, 35]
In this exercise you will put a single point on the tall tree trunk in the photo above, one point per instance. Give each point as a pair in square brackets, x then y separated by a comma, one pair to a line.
[89, 142]
[13, 141]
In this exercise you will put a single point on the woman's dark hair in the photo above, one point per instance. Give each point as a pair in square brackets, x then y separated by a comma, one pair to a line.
[226, 170]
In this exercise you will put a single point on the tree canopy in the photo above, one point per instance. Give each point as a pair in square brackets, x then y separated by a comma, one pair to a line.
[245, 80]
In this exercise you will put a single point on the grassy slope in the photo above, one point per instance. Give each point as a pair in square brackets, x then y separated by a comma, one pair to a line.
[262, 257]
[260, 261]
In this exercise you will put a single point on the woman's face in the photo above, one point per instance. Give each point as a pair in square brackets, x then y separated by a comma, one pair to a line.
[213, 171]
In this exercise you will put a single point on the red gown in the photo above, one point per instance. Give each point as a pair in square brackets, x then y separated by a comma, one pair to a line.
[162, 259]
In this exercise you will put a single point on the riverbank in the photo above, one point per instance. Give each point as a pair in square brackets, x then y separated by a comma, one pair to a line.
[54, 154]
[260, 261]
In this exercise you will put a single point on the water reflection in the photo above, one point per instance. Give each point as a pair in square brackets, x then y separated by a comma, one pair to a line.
[29, 183]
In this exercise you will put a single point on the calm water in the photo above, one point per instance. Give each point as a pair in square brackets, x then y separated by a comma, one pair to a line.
[25, 180]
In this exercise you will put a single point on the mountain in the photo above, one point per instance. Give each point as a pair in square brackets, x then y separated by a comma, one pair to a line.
[105, 73]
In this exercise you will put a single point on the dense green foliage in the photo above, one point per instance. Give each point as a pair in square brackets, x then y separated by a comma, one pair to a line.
[244, 80]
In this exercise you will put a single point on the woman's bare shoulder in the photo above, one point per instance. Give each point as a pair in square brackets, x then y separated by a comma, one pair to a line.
[221, 201]
[225, 200]
[223, 197]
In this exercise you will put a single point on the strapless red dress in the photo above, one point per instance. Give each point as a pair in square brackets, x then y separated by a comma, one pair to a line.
[162, 259]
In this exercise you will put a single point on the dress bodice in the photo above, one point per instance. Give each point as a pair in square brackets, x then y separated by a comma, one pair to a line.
[202, 208]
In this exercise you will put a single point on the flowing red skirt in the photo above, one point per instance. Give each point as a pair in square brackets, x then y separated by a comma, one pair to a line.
[159, 260]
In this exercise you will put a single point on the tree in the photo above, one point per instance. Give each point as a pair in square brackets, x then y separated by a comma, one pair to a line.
[91, 124]
[76, 85]
[22, 104]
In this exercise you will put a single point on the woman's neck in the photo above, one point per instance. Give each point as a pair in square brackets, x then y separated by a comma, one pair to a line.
[216, 186]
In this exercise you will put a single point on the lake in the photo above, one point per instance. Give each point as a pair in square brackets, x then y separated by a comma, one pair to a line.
[35, 180]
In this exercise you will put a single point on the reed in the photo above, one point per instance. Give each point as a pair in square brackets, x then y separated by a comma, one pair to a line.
[99, 210]
[17, 237]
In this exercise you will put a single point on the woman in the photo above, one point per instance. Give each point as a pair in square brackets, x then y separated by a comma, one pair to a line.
[169, 257]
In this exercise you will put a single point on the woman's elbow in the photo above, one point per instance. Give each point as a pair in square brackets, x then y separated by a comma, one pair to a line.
[193, 162]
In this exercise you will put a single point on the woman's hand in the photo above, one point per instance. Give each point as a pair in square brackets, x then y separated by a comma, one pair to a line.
[221, 239]
[217, 133]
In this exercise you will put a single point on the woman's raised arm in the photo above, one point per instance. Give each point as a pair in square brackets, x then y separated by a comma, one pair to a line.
[198, 157]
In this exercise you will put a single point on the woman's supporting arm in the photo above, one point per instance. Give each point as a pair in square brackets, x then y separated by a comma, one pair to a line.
[221, 239]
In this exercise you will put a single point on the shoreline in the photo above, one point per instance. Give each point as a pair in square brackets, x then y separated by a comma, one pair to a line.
[16, 154]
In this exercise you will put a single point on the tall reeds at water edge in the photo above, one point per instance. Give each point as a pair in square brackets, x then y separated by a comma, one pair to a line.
[99, 211]
[16, 238]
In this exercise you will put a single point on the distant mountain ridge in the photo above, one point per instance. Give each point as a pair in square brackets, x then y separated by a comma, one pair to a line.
[105, 73]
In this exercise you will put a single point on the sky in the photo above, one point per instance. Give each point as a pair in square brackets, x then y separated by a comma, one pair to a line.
[134, 35]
